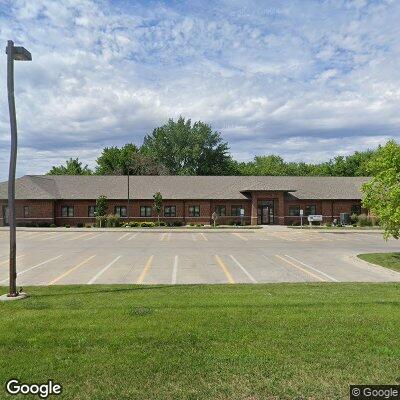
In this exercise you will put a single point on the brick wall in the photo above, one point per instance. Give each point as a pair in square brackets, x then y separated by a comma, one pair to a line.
[37, 212]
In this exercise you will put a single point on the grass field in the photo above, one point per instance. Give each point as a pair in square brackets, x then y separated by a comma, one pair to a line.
[280, 341]
[387, 260]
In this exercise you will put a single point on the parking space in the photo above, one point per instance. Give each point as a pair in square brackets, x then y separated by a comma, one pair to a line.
[193, 257]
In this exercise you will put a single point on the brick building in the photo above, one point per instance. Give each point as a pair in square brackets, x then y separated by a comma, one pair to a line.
[71, 200]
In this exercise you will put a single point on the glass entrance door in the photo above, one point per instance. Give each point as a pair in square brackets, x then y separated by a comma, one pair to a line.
[264, 215]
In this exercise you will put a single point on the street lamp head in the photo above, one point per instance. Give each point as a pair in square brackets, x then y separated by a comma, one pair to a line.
[20, 54]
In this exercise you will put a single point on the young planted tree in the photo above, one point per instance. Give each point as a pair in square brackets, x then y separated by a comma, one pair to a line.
[382, 192]
[101, 208]
[158, 202]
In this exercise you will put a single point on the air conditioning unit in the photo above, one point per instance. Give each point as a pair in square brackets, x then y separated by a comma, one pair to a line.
[345, 218]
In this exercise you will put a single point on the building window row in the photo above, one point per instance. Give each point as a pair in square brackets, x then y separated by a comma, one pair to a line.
[310, 209]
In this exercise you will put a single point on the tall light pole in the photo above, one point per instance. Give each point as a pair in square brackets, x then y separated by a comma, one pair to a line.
[18, 54]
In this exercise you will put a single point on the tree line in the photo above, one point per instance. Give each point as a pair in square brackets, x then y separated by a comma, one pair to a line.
[185, 148]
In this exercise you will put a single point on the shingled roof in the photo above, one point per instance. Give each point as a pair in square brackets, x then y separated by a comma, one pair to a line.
[182, 187]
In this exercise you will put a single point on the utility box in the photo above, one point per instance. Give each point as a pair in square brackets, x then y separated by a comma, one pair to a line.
[345, 218]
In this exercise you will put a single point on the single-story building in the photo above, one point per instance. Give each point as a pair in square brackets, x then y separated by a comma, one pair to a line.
[71, 200]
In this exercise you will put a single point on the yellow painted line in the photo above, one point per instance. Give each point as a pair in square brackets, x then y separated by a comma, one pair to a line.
[124, 235]
[203, 236]
[301, 269]
[225, 269]
[70, 270]
[5, 262]
[145, 270]
[240, 236]
[81, 236]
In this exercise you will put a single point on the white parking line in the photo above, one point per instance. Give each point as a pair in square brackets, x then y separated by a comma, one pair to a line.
[56, 237]
[6, 261]
[103, 270]
[243, 269]
[133, 235]
[240, 236]
[124, 235]
[35, 266]
[93, 237]
[194, 237]
[175, 270]
[203, 236]
[314, 269]
[81, 236]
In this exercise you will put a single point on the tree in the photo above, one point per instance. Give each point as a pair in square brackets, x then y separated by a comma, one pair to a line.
[72, 167]
[114, 160]
[101, 205]
[382, 193]
[158, 203]
[120, 161]
[186, 149]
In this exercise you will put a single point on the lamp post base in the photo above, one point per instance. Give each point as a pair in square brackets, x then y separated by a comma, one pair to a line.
[19, 296]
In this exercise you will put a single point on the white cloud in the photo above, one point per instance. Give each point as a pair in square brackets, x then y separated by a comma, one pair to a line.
[272, 78]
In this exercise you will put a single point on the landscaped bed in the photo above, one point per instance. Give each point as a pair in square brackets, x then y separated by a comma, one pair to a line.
[203, 342]
[387, 260]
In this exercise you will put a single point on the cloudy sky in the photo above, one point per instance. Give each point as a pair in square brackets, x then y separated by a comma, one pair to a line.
[306, 79]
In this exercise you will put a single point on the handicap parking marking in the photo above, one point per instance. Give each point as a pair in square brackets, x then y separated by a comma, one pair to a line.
[224, 269]
[35, 266]
[175, 270]
[203, 236]
[247, 273]
[145, 270]
[101, 272]
[66, 273]
[299, 268]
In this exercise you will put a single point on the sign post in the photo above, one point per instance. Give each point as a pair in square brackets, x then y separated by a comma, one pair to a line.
[241, 216]
[214, 217]
[301, 218]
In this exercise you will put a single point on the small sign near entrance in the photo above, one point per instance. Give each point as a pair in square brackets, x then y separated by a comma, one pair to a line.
[314, 218]
[301, 213]
[242, 212]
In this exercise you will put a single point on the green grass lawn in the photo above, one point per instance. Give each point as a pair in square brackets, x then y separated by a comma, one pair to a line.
[387, 260]
[279, 341]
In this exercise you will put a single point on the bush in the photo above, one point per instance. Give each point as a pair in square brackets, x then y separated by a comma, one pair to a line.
[162, 223]
[364, 220]
[328, 224]
[53, 226]
[113, 221]
[79, 225]
[147, 224]
[67, 226]
[199, 225]
[88, 225]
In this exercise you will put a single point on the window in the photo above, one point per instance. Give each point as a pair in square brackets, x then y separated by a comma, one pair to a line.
[194, 211]
[220, 210]
[91, 211]
[120, 211]
[170, 211]
[145, 211]
[294, 211]
[235, 211]
[26, 211]
[356, 209]
[311, 209]
[67, 211]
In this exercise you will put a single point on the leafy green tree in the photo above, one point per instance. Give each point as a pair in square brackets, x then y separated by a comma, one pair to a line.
[158, 203]
[114, 160]
[382, 193]
[189, 149]
[120, 161]
[101, 205]
[72, 167]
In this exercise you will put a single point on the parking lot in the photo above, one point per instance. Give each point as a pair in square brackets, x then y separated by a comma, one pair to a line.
[146, 257]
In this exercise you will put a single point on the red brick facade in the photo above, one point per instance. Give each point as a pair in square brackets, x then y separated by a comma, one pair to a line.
[263, 207]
